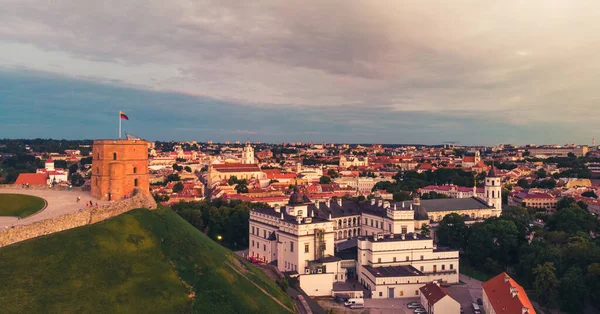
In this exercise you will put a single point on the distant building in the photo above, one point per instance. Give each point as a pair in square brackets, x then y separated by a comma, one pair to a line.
[579, 151]
[454, 191]
[533, 200]
[469, 160]
[436, 300]
[352, 161]
[502, 294]
[118, 168]
[53, 175]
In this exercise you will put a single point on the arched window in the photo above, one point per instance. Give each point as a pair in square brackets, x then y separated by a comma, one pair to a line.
[340, 223]
[354, 233]
[493, 194]
[345, 223]
[339, 235]
[114, 156]
[354, 221]
[493, 181]
[135, 182]
[335, 235]
[134, 169]
[345, 234]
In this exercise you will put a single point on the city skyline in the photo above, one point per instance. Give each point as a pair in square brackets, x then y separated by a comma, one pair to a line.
[384, 72]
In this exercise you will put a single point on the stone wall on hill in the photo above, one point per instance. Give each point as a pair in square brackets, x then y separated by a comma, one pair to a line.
[81, 218]
[57, 187]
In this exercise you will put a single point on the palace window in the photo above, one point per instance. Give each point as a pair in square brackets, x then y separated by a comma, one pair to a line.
[451, 266]
[264, 247]
[134, 169]
[407, 258]
[253, 232]
[291, 246]
[135, 182]
[421, 257]
[114, 156]
[443, 267]
[252, 243]
[394, 259]
[305, 247]
[422, 268]
[416, 292]
[379, 260]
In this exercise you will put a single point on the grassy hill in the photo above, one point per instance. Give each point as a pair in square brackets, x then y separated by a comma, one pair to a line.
[139, 262]
[19, 205]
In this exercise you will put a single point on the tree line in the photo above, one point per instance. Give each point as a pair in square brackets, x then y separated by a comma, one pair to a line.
[559, 258]
[229, 220]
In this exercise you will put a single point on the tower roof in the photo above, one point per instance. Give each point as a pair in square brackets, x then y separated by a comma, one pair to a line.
[298, 198]
[492, 172]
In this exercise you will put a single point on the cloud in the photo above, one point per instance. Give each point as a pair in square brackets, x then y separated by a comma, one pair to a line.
[515, 61]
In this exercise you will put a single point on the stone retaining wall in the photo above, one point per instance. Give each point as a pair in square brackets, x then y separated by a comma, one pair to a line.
[43, 187]
[81, 218]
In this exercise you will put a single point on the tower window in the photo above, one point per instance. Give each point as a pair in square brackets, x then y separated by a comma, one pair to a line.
[135, 182]
[114, 156]
[134, 169]
[98, 156]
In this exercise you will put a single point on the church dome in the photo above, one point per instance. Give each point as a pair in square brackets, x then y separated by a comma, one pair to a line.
[421, 213]
[298, 198]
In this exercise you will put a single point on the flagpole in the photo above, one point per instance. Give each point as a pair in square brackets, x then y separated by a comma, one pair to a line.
[120, 124]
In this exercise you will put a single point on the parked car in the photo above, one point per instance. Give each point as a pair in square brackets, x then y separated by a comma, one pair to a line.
[462, 310]
[479, 301]
[420, 311]
[354, 302]
[413, 305]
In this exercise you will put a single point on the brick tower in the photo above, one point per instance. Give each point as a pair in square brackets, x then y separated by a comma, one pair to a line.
[119, 167]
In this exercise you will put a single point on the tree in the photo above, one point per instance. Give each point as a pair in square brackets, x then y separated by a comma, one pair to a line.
[325, 180]
[173, 177]
[593, 282]
[546, 284]
[452, 231]
[425, 230]
[187, 168]
[401, 196]
[178, 187]
[526, 154]
[177, 167]
[564, 202]
[60, 164]
[332, 173]
[547, 184]
[242, 187]
[77, 180]
[523, 183]
[73, 168]
[541, 173]
[589, 194]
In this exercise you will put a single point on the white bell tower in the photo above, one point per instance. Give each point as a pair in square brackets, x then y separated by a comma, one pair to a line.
[493, 190]
[248, 154]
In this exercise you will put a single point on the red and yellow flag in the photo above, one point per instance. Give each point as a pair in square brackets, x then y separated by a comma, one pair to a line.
[124, 116]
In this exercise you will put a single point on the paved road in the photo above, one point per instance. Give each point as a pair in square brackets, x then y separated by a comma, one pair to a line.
[389, 306]
[473, 285]
[59, 203]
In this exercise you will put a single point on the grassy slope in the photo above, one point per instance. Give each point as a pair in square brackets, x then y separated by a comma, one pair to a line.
[20, 205]
[133, 263]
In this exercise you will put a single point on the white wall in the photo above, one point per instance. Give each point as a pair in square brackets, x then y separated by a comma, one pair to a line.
[316, 285]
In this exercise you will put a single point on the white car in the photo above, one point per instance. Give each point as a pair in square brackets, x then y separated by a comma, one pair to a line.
[419, 311]
[413, 305]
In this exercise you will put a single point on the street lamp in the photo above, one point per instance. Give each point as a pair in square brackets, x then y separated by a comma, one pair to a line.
[219, 237]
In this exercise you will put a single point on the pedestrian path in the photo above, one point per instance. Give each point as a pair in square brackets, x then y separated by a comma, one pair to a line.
[59, 203]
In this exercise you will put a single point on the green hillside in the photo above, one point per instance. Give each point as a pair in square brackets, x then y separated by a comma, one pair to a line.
[139, 262]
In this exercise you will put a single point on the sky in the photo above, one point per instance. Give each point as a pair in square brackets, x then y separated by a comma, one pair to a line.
[474, 72]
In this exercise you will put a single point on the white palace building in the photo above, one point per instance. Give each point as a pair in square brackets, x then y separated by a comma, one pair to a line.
[389, 257]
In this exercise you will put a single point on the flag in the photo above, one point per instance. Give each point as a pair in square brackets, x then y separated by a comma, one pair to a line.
[124, 116]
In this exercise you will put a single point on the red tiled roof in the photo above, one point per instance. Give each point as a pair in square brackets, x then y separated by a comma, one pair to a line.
[498, 291]
[32, 178]
[433, 292]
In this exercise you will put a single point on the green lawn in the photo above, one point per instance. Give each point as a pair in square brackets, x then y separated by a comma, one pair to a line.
[467, 269]
[19, 205]
[139, 262]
